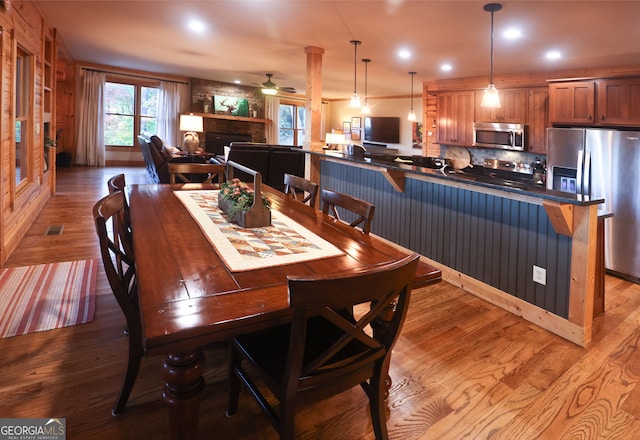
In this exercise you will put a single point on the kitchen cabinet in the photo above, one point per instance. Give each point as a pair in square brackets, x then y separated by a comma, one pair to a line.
[455, 118]
[513, 107]
[618, 101]
[537, 119]
[572, 102]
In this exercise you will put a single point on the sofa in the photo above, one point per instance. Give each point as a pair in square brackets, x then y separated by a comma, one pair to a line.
[157, 155]
[272, 161]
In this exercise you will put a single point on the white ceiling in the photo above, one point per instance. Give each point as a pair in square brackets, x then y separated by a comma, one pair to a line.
[244, 39]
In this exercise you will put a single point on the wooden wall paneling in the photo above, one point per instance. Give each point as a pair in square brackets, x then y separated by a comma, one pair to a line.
[493, 239]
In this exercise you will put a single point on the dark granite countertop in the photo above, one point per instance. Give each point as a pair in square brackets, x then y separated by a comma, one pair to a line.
[448, 175]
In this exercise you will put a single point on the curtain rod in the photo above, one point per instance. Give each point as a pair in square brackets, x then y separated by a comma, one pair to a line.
[134, 75]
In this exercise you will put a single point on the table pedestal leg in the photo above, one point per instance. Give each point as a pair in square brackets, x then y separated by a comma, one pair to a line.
[182, 392]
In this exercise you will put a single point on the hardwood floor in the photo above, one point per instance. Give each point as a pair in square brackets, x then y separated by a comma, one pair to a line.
[462, 368]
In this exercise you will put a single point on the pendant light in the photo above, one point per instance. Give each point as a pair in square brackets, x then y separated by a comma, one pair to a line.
[490, 97]
[355, 99]
[365, 108]
[412, 115]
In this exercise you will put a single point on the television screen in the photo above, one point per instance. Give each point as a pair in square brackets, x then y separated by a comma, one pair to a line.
[382, 129]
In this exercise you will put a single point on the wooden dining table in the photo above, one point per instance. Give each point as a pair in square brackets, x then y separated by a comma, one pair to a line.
[188, 298]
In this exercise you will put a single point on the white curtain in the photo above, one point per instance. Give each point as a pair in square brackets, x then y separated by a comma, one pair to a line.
[173, 100]
[272, 111]
[90, 140]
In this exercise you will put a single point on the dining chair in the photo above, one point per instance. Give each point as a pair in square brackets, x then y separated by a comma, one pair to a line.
[331, 200]
[185, 172]
[324, 351]
[119, 264]
[299, 188]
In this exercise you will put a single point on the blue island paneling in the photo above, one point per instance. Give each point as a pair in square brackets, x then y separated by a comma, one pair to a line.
[493, 239]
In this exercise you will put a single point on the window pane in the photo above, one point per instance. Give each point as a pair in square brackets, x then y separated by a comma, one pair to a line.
[149, 104]
[148, 124]
[118, 130]
[21, 151]
[285, 137]
[286, 116]
[300, 140]
[119, 98]
[302, 117]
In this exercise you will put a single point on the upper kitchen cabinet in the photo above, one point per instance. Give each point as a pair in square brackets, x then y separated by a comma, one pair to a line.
[618, 101]
[455, 118]
[572, 102]
[513, 107]
[537, 119]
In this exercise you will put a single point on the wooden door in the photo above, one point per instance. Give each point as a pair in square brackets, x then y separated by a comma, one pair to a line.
[572, 102]
[619, 101]
[537, 120]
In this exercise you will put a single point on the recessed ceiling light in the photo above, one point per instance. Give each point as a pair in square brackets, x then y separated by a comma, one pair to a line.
[553, 55]
[446, 67]
[404, 53]
[196, 26]
[512, 34]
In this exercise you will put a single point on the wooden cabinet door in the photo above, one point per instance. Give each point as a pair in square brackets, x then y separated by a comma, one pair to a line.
[513, 107]
[455, 118]
[537, 120]
[572, 102]
[619, 101]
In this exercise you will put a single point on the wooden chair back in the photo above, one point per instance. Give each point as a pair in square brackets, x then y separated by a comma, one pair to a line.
[184, 172]
[119, 183]
[325, 350]
[331, 200]
[299, 188]
[119, 264]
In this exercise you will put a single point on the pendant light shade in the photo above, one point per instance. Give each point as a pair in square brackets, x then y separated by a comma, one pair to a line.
[365, 108]
[355, 99]
[412, 115]
[490, 97]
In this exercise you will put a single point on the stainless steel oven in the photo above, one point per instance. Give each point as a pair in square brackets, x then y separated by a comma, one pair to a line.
[499, 135]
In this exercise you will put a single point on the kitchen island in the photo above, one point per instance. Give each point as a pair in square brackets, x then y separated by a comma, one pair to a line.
[485, 237]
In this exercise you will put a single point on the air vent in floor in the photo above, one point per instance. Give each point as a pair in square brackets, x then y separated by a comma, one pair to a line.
[54, 230]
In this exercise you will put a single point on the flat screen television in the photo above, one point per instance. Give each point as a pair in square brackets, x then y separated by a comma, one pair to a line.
[382, 129]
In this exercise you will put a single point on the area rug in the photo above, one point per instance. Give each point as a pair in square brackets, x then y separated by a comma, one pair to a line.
[46, 296]
[242, 249]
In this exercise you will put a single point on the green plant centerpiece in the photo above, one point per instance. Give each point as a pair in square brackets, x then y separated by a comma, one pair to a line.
[238, 201]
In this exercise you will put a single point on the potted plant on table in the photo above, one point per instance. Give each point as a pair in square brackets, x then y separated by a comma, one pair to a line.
[238, 201]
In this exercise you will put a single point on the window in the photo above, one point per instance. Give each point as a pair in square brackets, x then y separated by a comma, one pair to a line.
[292, 123]
[130, 108]
[23, 91]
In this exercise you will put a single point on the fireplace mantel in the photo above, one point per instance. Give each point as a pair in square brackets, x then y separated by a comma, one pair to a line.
[234, 118]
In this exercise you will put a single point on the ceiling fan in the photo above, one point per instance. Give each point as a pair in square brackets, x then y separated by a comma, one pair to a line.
[270, 88]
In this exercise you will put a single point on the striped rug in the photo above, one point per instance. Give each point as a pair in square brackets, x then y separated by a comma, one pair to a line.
[46, 296]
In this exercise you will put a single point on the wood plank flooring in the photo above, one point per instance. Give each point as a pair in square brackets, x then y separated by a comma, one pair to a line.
[462, 368]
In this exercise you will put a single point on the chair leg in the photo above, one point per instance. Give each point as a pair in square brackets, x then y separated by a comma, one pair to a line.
[234, 381]
[286, 422]
[377, 391]
[133, 366]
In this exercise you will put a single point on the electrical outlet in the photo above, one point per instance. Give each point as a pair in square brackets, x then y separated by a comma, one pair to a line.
[539, 275]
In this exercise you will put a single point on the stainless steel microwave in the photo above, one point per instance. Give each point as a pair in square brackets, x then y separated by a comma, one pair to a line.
[499, 135]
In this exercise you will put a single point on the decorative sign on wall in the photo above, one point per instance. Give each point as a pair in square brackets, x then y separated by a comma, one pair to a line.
[227, 105]
[416, 134]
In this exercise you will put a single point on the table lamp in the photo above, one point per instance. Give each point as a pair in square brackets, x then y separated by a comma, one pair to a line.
[191, 125]
[334, 140]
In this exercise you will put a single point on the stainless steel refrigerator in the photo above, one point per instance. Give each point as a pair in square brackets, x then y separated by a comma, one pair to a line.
[603, 163]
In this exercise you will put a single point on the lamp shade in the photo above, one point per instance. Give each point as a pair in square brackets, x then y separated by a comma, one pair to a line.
[191, 123]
